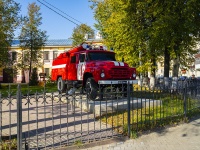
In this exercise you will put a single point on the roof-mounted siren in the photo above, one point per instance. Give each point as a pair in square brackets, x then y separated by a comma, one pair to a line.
[102, 47]
[86, 46]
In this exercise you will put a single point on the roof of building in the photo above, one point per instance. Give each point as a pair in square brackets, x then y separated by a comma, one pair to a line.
[59, 42]
[15, 42]
[56, 42]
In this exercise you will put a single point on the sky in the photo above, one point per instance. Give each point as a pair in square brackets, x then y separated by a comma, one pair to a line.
[58, 27]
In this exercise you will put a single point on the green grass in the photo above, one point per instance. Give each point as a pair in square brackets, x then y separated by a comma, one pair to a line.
[11, 89]
[9, 144]
[171, 112]
[78, 143]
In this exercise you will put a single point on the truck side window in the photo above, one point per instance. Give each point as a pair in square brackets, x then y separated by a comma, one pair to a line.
[73, 59]
[82, 57]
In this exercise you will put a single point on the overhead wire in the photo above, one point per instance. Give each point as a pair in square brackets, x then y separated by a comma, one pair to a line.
[61, 11]
[76, 22]
[58, 13]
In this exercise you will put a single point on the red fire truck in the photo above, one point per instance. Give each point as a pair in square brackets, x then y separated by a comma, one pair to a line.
[89, 66]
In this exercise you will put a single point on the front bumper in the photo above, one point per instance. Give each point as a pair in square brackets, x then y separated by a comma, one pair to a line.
[117, 82]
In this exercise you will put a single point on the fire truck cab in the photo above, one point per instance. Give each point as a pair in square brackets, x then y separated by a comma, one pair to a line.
[87, 66]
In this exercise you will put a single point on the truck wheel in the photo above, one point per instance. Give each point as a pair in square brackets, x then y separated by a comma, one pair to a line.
[91, 88]
[60, 85]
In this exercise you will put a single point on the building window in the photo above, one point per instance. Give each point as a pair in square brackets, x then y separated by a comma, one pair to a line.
[197, 61]
[46, 55]
[55, 54]
[162, 64]
[14, 56]
[46, 70]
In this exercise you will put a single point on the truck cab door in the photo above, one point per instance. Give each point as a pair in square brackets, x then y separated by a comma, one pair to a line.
[72, 68]
[81, 67]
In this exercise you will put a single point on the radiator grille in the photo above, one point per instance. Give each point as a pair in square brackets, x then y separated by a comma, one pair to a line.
[119, 73]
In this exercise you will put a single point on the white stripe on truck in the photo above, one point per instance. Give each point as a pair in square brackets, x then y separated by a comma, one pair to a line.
[59, 66]
[121, 63]
[116, 63]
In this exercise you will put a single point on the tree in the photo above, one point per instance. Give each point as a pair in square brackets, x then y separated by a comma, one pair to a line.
[31, 40]
[9, 21]
[80, 32]
[176, 30]
[143, 31]
[119, 25]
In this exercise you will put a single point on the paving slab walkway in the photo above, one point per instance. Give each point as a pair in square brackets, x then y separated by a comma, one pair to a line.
[181, 137]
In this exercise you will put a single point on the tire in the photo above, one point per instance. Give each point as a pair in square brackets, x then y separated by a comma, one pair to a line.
[61, 85]
[91, 88]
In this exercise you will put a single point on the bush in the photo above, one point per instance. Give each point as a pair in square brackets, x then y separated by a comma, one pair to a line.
[48, 79]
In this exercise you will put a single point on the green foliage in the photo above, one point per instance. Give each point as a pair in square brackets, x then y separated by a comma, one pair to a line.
[49, 82]
[133, 134]
[140, 31]
[79, 33]
[9, 21]
[34, 77]
[9, 144]
[78, 143]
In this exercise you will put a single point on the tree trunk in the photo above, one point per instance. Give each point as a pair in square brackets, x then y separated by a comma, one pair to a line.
[153, 68]
[176, 66]
[176, 61]
[166, 62]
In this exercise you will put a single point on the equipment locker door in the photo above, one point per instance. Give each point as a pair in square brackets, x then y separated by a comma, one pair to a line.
[81, 67]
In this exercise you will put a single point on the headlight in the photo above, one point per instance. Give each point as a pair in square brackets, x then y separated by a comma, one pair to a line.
[134, 75]
[102, 75]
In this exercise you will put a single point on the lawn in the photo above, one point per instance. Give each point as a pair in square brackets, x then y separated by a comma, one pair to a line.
[11, 89]
[171, 112]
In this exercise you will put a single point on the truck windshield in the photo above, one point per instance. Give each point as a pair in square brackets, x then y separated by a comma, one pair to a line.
[101, 56]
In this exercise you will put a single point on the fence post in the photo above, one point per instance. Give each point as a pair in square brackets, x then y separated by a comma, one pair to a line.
[1, 122]
[19, 118]
[128, 105]
[185, 100]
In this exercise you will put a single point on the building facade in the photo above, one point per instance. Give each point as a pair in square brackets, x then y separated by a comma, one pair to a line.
[50, 51]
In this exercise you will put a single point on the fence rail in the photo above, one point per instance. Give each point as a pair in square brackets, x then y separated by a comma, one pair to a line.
[53, 120]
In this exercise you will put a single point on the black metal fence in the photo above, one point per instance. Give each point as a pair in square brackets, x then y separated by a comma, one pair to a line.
[54, 120]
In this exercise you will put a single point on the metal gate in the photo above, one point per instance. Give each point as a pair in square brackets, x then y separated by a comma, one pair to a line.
[54, 120]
